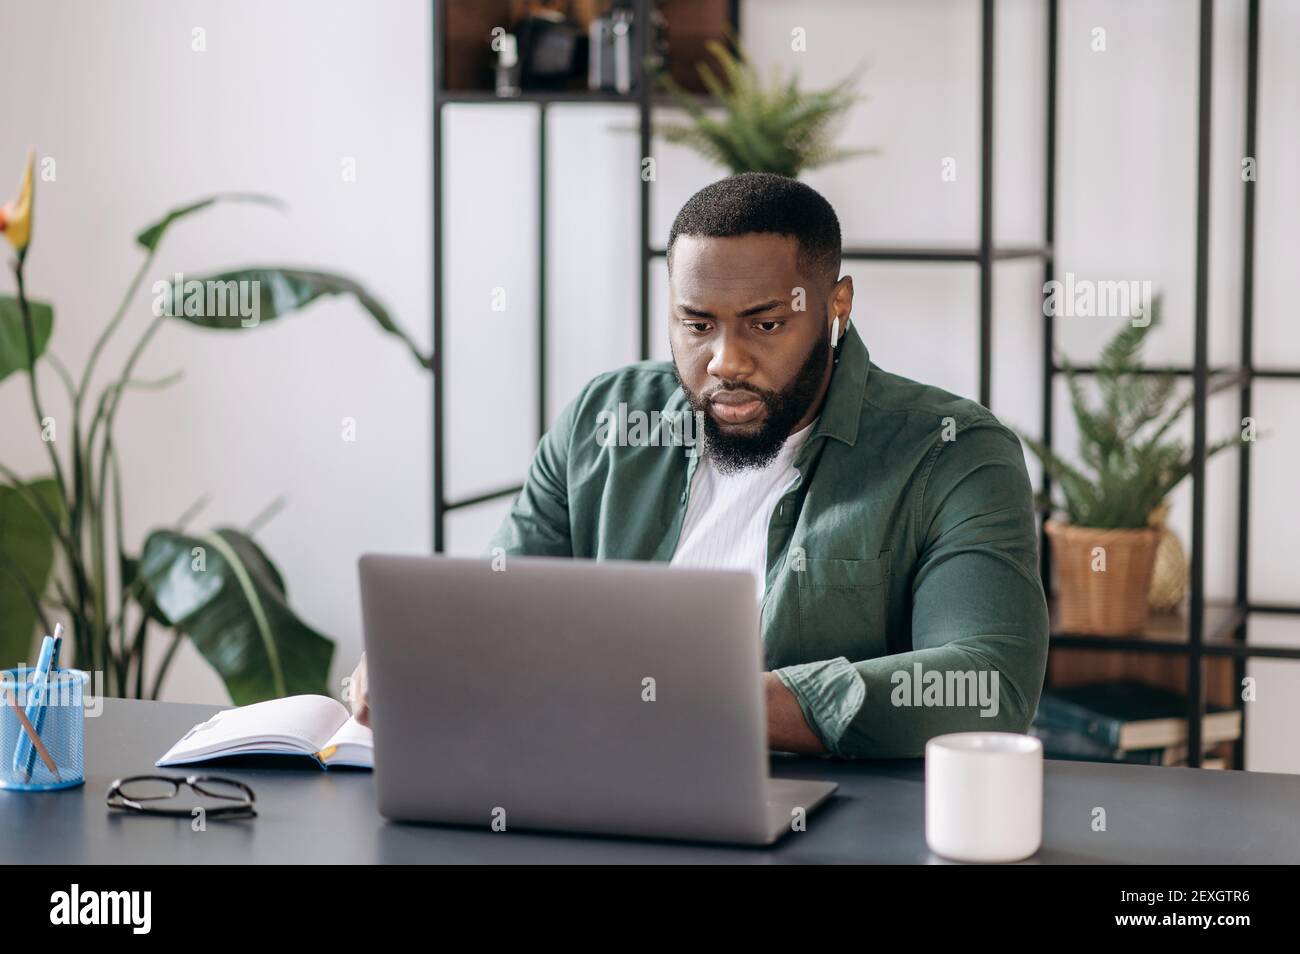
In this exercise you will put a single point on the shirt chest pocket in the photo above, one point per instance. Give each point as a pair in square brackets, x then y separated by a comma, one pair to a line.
[842, 608]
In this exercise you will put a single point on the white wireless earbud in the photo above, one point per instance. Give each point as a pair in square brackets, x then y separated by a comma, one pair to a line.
[835, 332]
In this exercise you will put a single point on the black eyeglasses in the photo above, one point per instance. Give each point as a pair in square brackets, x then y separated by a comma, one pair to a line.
[135, 794]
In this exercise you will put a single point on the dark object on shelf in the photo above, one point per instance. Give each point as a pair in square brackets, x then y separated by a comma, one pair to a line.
[612, 48]
[611, 51]
[552, 50]
[467, 36]
[508, 69]
[1078, 747]
[656, 55]
[1129, 716]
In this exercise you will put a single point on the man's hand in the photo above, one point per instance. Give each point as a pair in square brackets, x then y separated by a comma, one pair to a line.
[787, 730]
[359, 693]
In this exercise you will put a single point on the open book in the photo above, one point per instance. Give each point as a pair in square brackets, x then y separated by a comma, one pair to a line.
[315, 726]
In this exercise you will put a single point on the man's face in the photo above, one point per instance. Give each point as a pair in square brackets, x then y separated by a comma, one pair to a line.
[756, 366]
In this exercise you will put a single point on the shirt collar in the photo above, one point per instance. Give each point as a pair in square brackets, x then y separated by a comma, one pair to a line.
[842, 409]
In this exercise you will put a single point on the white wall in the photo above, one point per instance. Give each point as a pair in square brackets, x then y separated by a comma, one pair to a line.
[138, 123]
[292, 87]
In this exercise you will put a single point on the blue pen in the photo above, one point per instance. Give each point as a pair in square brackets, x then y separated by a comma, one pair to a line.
[25, 755]
[40, 713]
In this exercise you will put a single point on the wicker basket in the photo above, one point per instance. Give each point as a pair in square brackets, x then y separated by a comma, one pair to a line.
[1110, 603]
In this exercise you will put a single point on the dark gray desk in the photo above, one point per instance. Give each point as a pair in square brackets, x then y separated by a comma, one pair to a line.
[878, 815]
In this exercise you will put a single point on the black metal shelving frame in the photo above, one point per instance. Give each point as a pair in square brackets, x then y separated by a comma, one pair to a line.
[1210, 629]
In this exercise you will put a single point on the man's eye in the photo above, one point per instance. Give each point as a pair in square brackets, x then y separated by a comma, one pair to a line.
[697, 327]
[768, 326]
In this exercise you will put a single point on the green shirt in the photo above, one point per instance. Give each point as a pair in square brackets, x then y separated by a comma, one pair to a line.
[902, 596]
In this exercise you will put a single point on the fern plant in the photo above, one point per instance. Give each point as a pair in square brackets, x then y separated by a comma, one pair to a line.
[1123, 439]
[767, 127]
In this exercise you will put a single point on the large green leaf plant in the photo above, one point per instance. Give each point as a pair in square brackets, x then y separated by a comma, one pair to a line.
[63, 553]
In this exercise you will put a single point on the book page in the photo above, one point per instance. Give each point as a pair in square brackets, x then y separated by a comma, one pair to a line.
[352, 744]
[353, 732]
[298, 723]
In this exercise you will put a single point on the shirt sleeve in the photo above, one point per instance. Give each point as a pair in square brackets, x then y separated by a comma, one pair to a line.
[979, 617]
[538, 521]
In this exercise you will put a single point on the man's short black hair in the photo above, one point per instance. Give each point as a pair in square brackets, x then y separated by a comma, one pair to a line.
[764, 202]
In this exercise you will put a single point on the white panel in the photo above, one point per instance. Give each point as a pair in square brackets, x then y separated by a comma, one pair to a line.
[594, 297]
[470, 528]
[1017, 351]
[1270, 719]
[1127, 163]
[1227, 195]
[1274, 511]
[1019, 121]
[490, 263]
[1277, 205]
[920, 321]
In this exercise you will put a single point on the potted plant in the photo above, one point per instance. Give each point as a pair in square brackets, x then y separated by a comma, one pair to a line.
[63, 546]
[1105, 547]
[774, 127]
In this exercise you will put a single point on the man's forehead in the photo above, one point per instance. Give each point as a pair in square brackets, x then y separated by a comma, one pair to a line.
[740, 267]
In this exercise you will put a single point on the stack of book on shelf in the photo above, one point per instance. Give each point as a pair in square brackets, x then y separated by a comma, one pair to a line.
[1126, 721]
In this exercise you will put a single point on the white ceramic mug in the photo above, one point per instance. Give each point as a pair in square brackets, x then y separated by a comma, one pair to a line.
[984, 796]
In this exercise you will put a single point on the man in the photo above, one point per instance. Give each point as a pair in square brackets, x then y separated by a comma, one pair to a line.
[889, 524]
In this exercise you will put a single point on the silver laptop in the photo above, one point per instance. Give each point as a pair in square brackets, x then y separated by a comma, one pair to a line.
[608, 697]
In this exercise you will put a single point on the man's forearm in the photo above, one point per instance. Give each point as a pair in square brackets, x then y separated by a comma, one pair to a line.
[787, 730]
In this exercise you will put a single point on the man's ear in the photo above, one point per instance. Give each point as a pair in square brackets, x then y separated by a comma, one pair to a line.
[841, 306]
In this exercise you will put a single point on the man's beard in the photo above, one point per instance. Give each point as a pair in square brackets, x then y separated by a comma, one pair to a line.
[732, 452]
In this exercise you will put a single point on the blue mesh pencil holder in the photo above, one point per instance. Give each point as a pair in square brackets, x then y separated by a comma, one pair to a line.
[60, 724]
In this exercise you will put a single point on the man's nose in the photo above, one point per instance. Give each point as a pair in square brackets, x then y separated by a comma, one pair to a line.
[731, 359]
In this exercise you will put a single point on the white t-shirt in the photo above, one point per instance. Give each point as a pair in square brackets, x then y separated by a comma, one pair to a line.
[727, 515]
